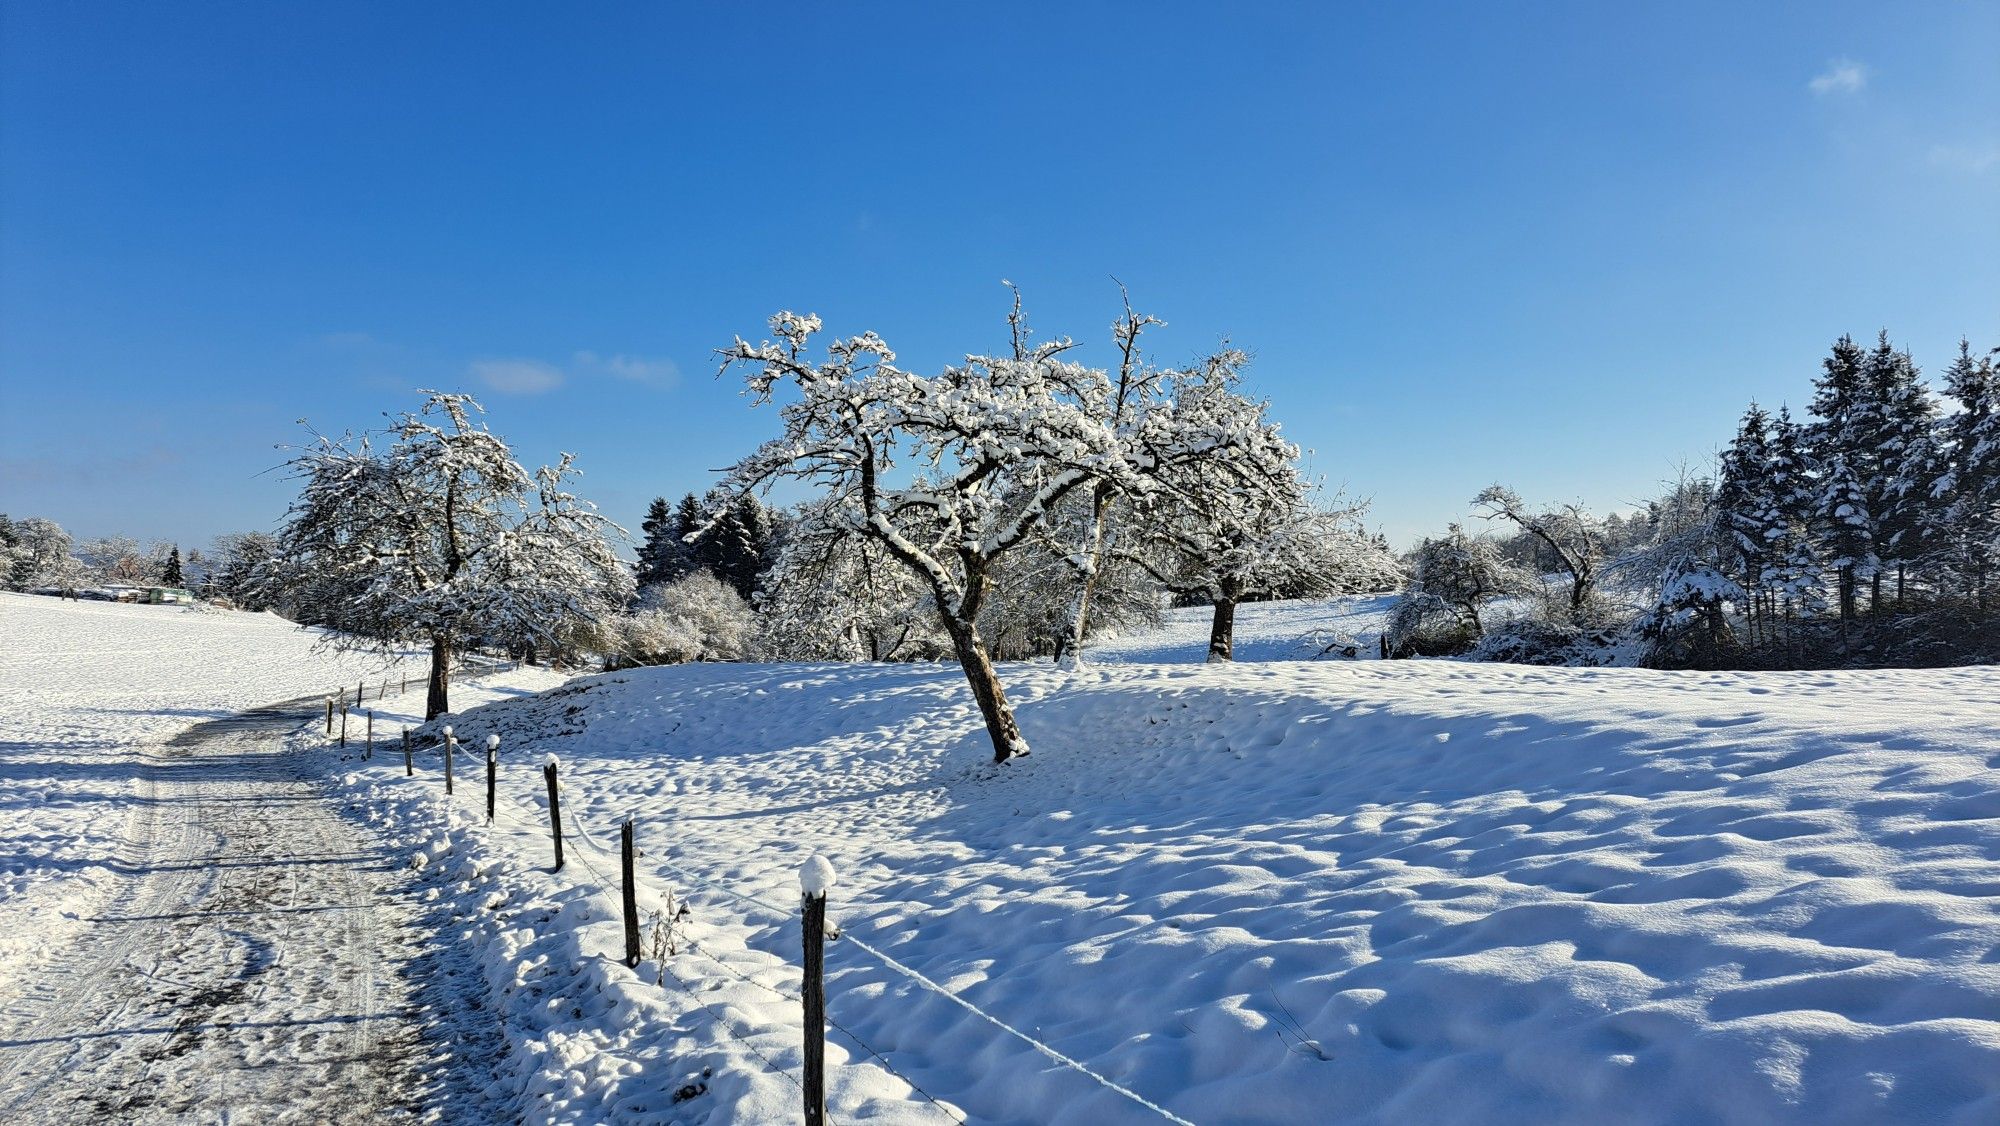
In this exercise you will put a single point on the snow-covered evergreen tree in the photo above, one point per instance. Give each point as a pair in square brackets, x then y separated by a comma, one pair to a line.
[1848, 534]
[170, 572]
[663, 555]
[1965, 492]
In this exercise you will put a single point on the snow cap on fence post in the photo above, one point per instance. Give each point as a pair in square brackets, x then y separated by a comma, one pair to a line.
[493, 742]
[816, 875]
[447, 730]
[552, 759]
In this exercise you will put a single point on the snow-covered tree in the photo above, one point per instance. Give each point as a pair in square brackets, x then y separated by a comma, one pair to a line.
[443, 538]
[1848, 533]
[833, 596]
[1236, 523]
[116, 559]
[1451, 580]
[1965, 492]
[40, 556]
[663, 555]
[1572, 538]
[234, 559]
[947, 473]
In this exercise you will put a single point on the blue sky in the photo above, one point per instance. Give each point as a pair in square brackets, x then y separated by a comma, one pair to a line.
[1558, 246]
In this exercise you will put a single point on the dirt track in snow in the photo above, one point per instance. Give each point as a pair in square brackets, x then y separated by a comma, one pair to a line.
[261, 961]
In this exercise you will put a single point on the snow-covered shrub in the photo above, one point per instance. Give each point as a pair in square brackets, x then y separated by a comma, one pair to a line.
[1423, 625]
[1688, 625]
[1452, 580]
[695, 618]
[1535, 640]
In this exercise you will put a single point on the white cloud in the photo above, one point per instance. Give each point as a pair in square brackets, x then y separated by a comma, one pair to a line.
[524, 376]
[1976, 159]
[1842, 76]
[661, 373]
[517, 376]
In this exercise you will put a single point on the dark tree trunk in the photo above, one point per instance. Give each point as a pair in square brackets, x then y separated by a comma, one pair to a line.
[1222, 631]
[439, 700]
[972, 657]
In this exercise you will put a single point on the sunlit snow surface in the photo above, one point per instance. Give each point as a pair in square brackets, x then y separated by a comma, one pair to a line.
[1298, 891]
[84, 683]
[1282, 891]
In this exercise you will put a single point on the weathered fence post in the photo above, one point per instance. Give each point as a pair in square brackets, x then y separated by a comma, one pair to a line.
[329, 715]
[816, 875]
[409, 768]
[360, 686]
[492, 772]
[368, 749]
[626, 852]
[343, 724]
[450, 741]
[555, 809]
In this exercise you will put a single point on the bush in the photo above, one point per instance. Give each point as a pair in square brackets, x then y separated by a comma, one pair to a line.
[1537, 641]
[695, 618]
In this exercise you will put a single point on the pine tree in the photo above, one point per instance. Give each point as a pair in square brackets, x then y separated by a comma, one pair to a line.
[1898, 431]
[1793, 568]
[663, 556]
[1747, 512]
[170, 575]
[1966, 491]
[1849, 530]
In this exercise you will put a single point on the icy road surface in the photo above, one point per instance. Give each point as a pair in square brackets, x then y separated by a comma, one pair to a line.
[255, 963]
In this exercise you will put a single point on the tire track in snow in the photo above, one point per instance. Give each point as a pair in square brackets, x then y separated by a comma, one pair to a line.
[246, 967]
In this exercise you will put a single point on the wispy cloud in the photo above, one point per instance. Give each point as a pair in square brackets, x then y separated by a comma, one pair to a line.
[660, 373]
[523, 375]
[517, 376]
[1841, 76]
[1977, 159]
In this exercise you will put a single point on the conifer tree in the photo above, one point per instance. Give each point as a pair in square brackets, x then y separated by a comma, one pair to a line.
[170, 575]
[663, 556]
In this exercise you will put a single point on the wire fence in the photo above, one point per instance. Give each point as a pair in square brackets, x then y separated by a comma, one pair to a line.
[529, 806]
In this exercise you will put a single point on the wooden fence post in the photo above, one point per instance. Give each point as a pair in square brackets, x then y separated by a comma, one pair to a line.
[492, 772]
[555, 810]
[368, 750]
[343, 724]
[815, 877]
[360, 686]
[409, 768]
[329, 715]
[450, 741]
[631, 894]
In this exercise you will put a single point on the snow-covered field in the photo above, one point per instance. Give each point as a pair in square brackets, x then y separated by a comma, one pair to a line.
[82, 684]
[1265, 631]
[1280, 891]
[1276, 892]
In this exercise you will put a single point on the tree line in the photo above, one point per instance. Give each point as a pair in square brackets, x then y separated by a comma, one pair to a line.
[1867, 532]
[1015, 504]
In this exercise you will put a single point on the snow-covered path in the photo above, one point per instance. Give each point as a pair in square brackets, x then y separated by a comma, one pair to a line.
[253, 963]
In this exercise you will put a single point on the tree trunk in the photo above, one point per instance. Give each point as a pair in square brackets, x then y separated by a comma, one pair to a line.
[1222, 631]
[1070, 646]
[972, 657]
[439, 700]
